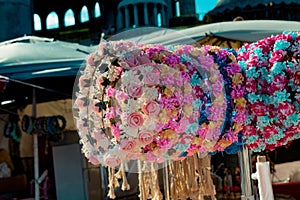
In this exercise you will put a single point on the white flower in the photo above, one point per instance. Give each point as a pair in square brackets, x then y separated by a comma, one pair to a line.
[129, 130]
[150, 93]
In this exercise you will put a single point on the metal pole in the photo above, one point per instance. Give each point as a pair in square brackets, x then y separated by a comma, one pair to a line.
[35, 150]
[246, 183]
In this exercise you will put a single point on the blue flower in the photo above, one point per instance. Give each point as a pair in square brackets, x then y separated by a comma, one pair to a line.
[271, 140]
[252, 97]
[278, 68]
[192, 128]
[292, 33]
[258, 52]
[294, 118]
[267, 99]
[264, 72]
[242, 49]
[280, 96]
[181, 147]
[263, 121]
[170, 47]
[185, 58]
[243, 65]
[197, 104]
[252, 73]
[248, 120]
[251, 139]
[195, 80]
[281, 45]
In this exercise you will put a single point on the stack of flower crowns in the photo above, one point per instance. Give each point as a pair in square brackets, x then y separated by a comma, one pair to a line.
[144, 101]
[272, 72]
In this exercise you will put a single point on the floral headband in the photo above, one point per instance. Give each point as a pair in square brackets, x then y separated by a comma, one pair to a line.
[143, 102]
[272, 73]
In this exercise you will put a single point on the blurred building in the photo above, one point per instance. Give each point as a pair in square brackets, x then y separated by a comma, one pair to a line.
[228, 10]
[84, 21]
[12, 15]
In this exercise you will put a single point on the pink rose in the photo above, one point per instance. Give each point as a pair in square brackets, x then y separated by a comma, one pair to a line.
[151, 78]
[143, 59]
[135, 120]
[152, 108]
[121, 95]
[135, 90]
[127, 145]
[91, 59]
[186, 139]
[279, 82]
[93, 159]
[286, 109]
[277, 56]
[110, 91]
[145, 137]
[296, 77]
[249, 130]
[269, 130]
[259, 108]
[131, 60]
[251, 85]
[112, 160]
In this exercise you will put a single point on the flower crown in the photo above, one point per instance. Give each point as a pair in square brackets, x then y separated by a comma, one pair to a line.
[272, 73]
[234, 84]
[144, 101]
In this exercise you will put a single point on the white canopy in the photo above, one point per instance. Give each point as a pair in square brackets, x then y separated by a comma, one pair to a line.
[34, 57]
[248, 31]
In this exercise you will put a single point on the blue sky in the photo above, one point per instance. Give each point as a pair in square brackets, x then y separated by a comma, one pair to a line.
[203, 6]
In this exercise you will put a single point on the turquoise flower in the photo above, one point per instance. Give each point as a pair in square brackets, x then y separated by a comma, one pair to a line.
[263, 121]
[280, 96]
[267, 99]
[258, 52]
[185, 58]
[242, 49]
[260, 148]
[181, 147]
[278, 68]
[281, 45]
[279, 134]
[264, 72]
[252, 73]
[292, 85]
[251, 139]
[248, 120]
[271, 140]
[294, 118]
[170, 47]
[293, 34]
[192, 128]
[252, 97]
[243, 65]
[195, 80]
[197, 104]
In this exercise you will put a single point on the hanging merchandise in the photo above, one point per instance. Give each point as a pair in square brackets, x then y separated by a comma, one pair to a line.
[12, 129]
[52, 125]
[190, 179]
[272, 71]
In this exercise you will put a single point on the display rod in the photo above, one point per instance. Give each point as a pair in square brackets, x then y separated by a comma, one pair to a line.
[246, 183]
[35, 150]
